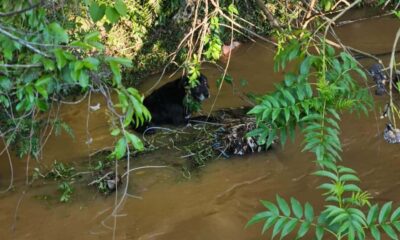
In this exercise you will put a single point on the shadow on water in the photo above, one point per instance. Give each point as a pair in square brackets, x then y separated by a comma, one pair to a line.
[218, 200]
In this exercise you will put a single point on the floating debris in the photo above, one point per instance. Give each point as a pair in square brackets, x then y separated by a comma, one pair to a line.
[227, 133]
[391, 134]
[232, 139]
[107, 183]
[226, 49]
[379, 78]
[386, 111]
[223, 134]
[95, 107]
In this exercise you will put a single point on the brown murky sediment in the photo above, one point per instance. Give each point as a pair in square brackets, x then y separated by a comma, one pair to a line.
[219, 199]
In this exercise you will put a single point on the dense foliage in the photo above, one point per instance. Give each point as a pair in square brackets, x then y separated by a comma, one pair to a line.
[44, 59]
[313, 97]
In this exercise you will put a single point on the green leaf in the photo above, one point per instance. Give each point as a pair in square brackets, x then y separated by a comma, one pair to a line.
[42, 105]
[97, 11]
[232, 9]
[283, 137]
[272, 207]
[271, 137]
[326, 186]
[243, 82]
[278, 226]
[340, 218]
[41, 85]
[120, 148]
[389, 231]
[385, 212]
[319, 232]
[92, 37]
[327, 5]
[266, 114]
[289, 96]
[304, 228]
[290, 79]
[309, 91]
[361, 73]
[297, 208]
[342, 169]
[305, 65]
[256, 110]
[375, 232]
[120, 7]
[123, 61]
[330, 50]
[91, 63]
[289, 227]
[266, 215]
[60, 58]
[323, 173]
[395, 215]
[4, 101]
[291, 130]
[116, 73]
[5, 83]
[129, 116]
[48, 64]
[112, 14]
[372, 214]
[59, 34]
[228, 79]
[78, 65]
[349, 177]
[287, 114]
[308, 212]
[115, 132]
[396, 225]
[273, 101]
[351, 234]
[83, 79]
[82, 45]
[275, 113]
[360, 235]
[269, 223]
[136, 142]
[283, 206]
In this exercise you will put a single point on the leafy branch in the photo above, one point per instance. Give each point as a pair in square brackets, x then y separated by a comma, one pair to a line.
[313, 98]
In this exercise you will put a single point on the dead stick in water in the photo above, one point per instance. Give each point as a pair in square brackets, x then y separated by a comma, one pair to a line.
[342, 23]
[238, 185]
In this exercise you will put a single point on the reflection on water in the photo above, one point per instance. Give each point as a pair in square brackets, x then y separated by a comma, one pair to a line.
[219, 199]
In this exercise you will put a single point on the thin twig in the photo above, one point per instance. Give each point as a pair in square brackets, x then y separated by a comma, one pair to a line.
[392, 66]
[271, 18]
[34, 65]
[143, 167]
[14, 226]
[22, 10]
[342, 23]
[22, 42]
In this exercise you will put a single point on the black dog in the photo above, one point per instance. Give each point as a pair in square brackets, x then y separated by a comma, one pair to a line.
[166, 104]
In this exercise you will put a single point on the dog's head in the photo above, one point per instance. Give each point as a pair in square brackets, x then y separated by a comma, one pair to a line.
[200, 91]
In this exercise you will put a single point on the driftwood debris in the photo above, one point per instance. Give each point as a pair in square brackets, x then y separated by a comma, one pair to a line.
[228, 130]
[223, 134]
[391, 134]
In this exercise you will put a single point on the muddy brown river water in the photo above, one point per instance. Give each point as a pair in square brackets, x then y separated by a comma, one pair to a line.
[218, 200]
